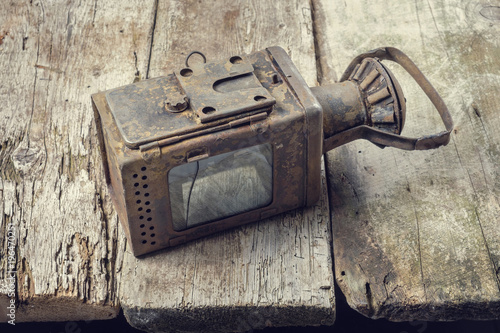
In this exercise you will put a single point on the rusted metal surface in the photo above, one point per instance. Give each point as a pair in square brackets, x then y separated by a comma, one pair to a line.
[221, 89]
[142, 143]
[382, 135]
[202, 113]
[176, 102]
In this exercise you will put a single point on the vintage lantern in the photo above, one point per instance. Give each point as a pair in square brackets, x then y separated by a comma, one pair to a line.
[225, 143]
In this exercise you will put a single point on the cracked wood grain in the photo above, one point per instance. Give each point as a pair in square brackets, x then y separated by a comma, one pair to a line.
[276, 272]
[416, 234]
[53, 56]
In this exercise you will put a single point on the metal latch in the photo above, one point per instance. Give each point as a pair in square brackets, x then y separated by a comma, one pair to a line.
[220, 89]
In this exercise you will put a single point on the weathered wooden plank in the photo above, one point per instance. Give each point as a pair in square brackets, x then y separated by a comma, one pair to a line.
[272, 273]
[53, 55]
[416, 233]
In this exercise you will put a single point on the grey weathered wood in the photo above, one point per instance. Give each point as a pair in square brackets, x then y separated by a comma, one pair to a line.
[416, 234]
[53, 55]
[273, 273]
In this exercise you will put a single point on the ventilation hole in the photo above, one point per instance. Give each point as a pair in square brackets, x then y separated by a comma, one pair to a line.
[136, 184]
[276, 78]
[236, 60]
[149, 219]
[144, 177]
[259, 98]
[147, 203]
[138, 201]
[135, 176]
[142, 225]
[137, 193]
[143, 169]
[208, 110]
[139, 209]
[145, 186]
[144, 241]
[152, 235]
[141, 218]
[143, 233]
[151, 228]
[148, 210]
[153, 243]
[186, 72]
[146, 194]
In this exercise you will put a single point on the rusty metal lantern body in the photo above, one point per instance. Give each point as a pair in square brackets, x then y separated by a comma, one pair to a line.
[225, 143]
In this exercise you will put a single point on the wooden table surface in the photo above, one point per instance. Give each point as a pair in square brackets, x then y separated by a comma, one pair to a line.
[415, 234]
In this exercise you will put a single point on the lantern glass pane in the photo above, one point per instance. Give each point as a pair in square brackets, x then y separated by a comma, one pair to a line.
[221, 186]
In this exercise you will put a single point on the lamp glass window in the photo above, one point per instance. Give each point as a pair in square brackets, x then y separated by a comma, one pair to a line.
[221, 186]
